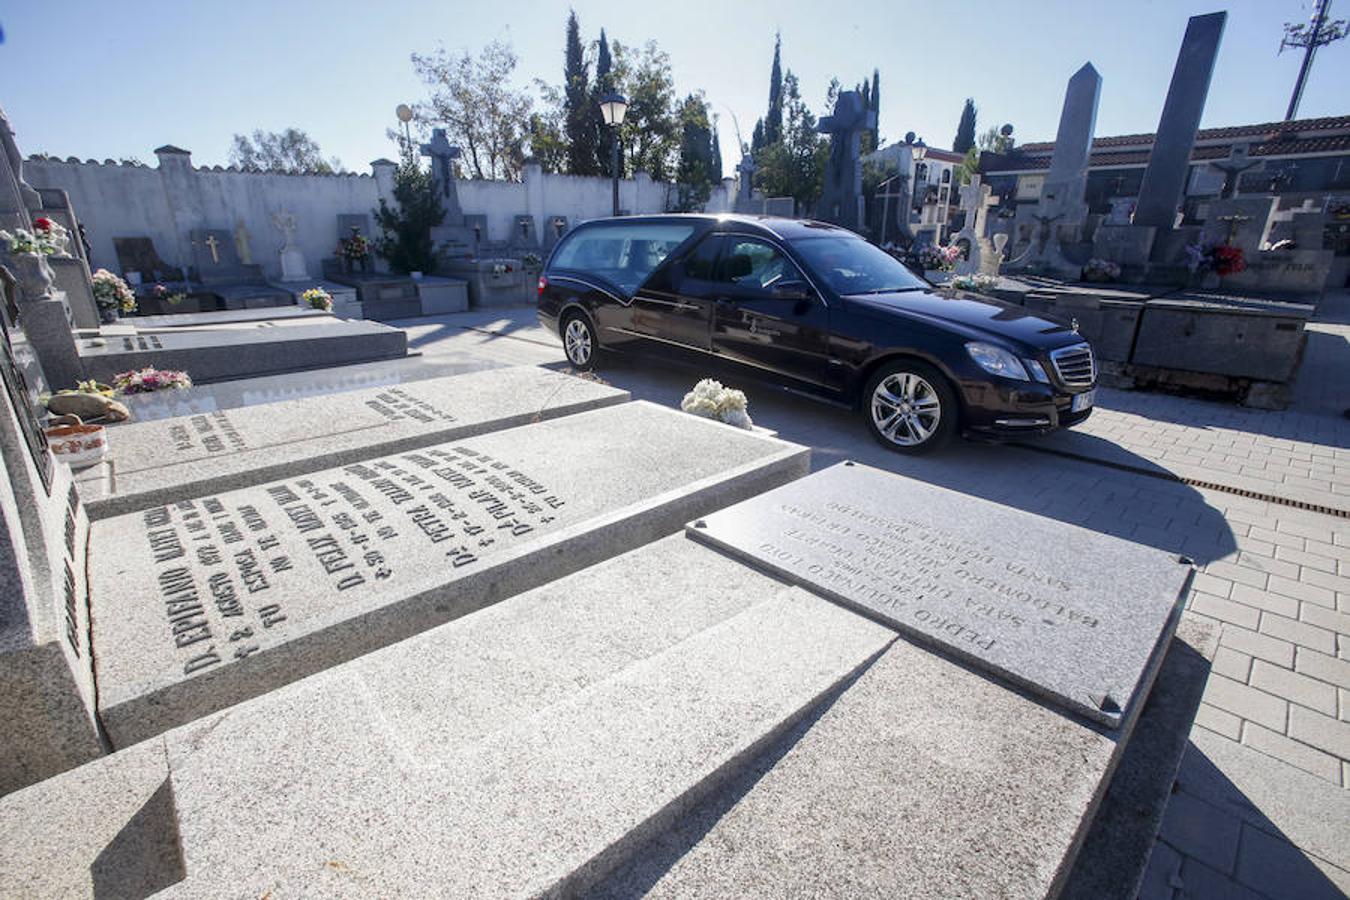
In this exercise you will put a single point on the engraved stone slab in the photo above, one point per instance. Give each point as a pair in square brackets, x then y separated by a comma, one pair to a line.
[206, 602]
[167, 460]
[1066, 613]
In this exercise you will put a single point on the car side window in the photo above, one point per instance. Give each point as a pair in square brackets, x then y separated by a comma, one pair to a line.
[755, 264]
[622, 252]
[701, 263]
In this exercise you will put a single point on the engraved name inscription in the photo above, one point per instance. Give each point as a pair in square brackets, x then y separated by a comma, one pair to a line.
[236, 571]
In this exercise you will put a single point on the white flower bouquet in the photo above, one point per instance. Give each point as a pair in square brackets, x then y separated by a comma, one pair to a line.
[711, 400]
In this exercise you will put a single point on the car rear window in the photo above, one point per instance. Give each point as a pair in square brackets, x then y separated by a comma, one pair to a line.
[624, 253]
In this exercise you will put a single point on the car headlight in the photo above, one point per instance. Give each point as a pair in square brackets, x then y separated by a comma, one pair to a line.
[997, 361]
[1036, 370]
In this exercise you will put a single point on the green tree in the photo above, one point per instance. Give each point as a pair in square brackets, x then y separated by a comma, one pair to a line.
[694, 173]
[406, 228]
[604, 83]
[473, 99]
[876, 107]
[578, 115]
[773, 122]
[965, 129]
[795, 165]
[757, 136]
[650, 134]
[716, 155]
[291, 151]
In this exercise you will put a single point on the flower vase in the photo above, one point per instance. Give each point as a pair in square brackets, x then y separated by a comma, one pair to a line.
[107, 315]
[34, 274]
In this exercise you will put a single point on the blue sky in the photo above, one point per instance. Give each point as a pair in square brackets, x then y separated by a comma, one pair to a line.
[105, 79]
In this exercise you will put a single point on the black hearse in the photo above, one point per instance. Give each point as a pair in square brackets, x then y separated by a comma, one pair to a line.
[818, 310]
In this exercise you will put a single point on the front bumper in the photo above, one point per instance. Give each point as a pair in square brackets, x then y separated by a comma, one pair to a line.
[1001, 409]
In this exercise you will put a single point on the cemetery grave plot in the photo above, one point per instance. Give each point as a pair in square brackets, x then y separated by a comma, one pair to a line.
[167, 460]
[205, 602]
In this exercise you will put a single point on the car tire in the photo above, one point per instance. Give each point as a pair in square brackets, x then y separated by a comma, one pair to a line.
[580, 344]
[910, 407]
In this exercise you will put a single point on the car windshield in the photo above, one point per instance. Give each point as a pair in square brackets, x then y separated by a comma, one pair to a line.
[851, 265]
[625, 253]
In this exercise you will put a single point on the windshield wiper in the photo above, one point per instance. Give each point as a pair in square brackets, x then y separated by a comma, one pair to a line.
[892, 290]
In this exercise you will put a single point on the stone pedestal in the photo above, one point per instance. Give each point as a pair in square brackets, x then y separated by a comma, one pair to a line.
[293, 265]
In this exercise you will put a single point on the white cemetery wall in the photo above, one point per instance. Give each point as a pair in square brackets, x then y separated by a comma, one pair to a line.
[165, 202]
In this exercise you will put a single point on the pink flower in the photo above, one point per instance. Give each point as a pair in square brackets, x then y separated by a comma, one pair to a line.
[42, 223]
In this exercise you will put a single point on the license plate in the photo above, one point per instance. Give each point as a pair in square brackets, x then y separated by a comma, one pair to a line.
[1081, 402]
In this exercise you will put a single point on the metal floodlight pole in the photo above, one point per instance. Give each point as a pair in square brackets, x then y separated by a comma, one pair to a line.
[1320, 33]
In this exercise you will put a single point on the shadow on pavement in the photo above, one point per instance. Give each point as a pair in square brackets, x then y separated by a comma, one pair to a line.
[1164, 514]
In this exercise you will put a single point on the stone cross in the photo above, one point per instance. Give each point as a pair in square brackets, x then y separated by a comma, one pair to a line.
[975, 200]
[1238, 161]
[841, 198]
[212, 243]
[442, 154]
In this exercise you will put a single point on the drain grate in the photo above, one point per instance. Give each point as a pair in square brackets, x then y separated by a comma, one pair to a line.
[1163, 475]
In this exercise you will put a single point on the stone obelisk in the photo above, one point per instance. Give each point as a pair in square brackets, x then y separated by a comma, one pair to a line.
[1169, 162]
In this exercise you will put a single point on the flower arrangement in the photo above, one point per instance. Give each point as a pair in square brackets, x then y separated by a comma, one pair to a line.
[353, 248]
[974, 282]
[501, 268]
[930, 257]
[531, 261]
[1100, 270]
[711, 400]
[1228, 260]
[317, 298]
[112, 294]
[46, 239]
[166, 295]
[1221, 259]
[147, 380]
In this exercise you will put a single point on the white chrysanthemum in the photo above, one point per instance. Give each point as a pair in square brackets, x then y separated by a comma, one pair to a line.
[738, 418]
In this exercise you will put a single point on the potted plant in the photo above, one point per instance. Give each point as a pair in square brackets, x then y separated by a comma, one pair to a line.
[112, 295]
[28, 257]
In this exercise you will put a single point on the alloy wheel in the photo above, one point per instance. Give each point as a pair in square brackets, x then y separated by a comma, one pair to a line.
[906, 409]
[577, 342]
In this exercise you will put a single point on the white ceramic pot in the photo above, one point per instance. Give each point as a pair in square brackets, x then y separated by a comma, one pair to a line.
[80, 446]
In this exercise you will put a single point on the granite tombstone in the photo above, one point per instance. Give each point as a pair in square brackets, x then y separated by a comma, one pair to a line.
[168, 460]
[1005, 590]
[209, 601]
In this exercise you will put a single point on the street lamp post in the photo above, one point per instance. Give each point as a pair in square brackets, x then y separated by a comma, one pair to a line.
[613, 107]
[405, 114]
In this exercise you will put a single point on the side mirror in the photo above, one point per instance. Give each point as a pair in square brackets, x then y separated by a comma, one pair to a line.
[792, 290]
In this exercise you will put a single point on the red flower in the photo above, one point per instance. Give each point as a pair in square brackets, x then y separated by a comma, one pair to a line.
[42, 223]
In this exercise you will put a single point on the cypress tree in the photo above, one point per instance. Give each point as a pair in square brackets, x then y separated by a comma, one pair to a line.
[965, 131]
[604, 83]
[579, 122]
[773, 122]
[757, 137]
[716, 157]
[876, 107]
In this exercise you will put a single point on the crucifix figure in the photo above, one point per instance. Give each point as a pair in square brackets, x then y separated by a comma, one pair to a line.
[212, 244]
[1233, 221]
[442, 156]
[1237, 162]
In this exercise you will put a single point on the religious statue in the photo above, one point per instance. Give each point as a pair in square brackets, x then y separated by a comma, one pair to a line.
[1237, 162]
